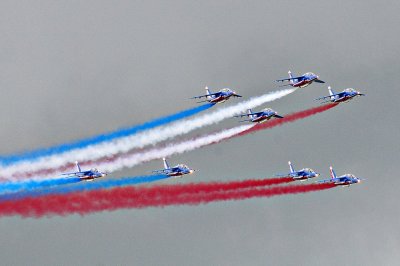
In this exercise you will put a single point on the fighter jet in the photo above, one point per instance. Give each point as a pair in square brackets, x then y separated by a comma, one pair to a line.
[87, 175]
[301, 175]
[259, 117]
[178, 170]
[343, 96]
[301, 81]
[217, 97]
[344, 180]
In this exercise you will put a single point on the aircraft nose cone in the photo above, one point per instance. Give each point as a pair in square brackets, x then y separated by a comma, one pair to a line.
[191, 171]
[316, 174]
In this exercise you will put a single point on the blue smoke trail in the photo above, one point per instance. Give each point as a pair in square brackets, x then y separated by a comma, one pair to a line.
[35, 184]
[36, 154]
[85, 186]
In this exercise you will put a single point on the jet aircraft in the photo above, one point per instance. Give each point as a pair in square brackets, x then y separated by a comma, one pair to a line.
[259, 117]
[88, 175]
[344, 180]
[301, 175]
[343, 96]
[301, 81]
[217, 97]
[178, 170]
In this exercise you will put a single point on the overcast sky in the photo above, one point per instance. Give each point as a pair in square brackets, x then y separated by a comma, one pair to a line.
[73, 69]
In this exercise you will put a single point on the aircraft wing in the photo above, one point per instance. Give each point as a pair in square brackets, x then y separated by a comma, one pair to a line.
[278, 116]
[281, 80]
[321, 98]
[72, 173]
[205, 95]
[282, 175]
[160, 171]
[323, 181]
[241, 115]
[319, 81]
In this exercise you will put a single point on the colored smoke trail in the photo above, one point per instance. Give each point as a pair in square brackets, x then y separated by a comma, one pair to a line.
[140, 197]
[290, 118]
[34, 155]
[171, 149]
[140, 140]
[135, 158]
[35, 184]
[132, 159]
[85, 186]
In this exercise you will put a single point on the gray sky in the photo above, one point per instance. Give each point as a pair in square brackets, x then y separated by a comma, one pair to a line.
[69, 70]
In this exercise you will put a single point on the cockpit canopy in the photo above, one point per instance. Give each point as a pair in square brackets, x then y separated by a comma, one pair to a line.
[350, 90]
[268, 110]
[310, 74]
[94, 170]
[309, 170]
[226, 90]
[183, 166]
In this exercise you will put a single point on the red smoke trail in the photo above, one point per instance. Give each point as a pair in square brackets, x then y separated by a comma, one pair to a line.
[270, 124]
[143, 197]
[289, 118]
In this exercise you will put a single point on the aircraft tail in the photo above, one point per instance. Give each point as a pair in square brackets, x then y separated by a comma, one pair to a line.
[208, 92]
[291, 167]
[291, 81]
[333, 174]
[166, 165]
[331, 92]
[78, 166]
[249, 112]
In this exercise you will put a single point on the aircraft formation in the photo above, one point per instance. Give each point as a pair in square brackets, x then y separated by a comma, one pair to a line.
[36, 183]
[261, 116]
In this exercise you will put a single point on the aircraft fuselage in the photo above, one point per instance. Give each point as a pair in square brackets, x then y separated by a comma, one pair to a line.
[261, 119]
[219, 99]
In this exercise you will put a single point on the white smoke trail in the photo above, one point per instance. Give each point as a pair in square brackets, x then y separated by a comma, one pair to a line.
[130, 160]
[142, 139]
[172, 149]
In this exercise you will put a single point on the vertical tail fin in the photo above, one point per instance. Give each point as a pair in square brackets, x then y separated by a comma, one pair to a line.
[331, 92]
[78, 166]
[333, 174]
[249, 112]
[166, 165]
[208, 92]
[291, 81]
[291, 167]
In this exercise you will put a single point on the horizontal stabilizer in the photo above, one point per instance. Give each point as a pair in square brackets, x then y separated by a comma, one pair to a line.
[324, 97]
[288, 79]
[249, 114]
[202, 96]
[282, 175]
